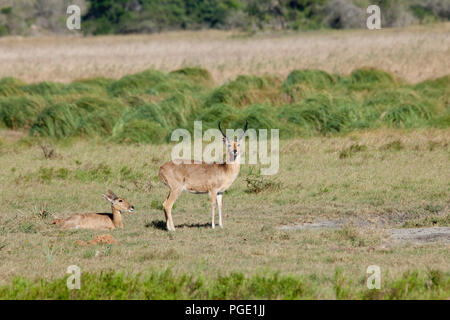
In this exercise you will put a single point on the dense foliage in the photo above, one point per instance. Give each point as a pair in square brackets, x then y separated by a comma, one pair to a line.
[125, 16]
[143, 16]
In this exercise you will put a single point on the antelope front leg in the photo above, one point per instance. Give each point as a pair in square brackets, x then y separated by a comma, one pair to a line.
[167, 206]
[219, 205]
[213, 206]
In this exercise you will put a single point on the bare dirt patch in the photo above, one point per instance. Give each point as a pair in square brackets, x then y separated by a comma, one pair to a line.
[403, 235]
[421, 235]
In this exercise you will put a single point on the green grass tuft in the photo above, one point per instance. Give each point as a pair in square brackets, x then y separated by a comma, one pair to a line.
[433, 284]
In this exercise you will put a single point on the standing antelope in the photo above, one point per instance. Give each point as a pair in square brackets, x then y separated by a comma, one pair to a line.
[211, 178]
[99, 221]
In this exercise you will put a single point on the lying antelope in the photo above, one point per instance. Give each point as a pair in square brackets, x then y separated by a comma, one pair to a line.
[99, 221]
[211, 178]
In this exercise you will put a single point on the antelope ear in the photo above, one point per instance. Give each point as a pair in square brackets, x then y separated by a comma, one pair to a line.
[107, 198]
[112, 195]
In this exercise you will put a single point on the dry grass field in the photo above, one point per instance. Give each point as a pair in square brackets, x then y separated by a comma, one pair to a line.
[415, 53]
[398, 177]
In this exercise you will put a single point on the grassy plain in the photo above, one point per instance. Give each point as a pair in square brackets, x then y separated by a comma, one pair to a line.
[398, 176]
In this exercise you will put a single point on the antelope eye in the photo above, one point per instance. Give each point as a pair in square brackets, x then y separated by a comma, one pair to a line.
[120, 200]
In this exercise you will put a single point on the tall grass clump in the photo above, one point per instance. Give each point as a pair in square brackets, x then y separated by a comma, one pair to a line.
[146, 107]
[402, 107]
[245, 90]
[141, 131]
[86, 116]
[198, 75]
[218, 112]
[10, 87]
[435, 88]
[315, 78]
[155, 82]
[100, 115]
[321, 113]
[369, 79]
[442, 120]
[45, 88]
[153, 122]
[14, 87]
[57, 121]
[383, 99]
[142, 82]
[97, 82]
[260, 116]
[407, 115]
[301, 82]
[19, 111]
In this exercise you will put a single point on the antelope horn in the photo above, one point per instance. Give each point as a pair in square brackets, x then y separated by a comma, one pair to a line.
[224, 135]
[245, 129]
